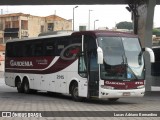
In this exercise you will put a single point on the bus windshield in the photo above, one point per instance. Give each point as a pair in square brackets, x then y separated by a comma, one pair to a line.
[122, 58]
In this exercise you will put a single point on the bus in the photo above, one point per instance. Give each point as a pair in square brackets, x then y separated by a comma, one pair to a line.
[86, 64]
[155, 72]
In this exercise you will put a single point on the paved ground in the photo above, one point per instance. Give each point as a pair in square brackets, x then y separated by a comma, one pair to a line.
[10, 100]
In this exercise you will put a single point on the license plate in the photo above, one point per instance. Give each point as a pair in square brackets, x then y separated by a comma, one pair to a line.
[126, 94]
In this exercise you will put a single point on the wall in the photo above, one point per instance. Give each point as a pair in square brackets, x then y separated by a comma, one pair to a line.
[34, 26]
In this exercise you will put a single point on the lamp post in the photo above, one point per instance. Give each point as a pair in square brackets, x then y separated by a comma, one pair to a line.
[89, 19]
[95, 24]
[73, 16]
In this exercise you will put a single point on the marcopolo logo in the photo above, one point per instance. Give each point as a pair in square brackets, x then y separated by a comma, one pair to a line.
[21, 63]
[70, 52]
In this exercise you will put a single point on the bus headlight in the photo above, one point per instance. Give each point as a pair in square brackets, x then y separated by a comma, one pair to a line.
[140, 87]
[107, 87]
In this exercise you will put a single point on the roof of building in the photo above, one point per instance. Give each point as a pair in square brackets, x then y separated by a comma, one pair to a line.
[50, 17]
[54, 17]
[16, 14]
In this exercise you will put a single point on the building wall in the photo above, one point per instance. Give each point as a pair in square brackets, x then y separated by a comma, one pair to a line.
[56, 23]
[34, 26]
[1, 37]
[63, 25]
[31, 26]
[1, 61]
[2, 57]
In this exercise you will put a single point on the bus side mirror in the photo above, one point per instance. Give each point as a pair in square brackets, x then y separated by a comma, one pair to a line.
[100, 55]
[151, 53]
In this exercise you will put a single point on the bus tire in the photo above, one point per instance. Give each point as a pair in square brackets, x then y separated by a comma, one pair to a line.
[26, 86]
[33, 91]
[113, 99]
[19, 86]
[74, 93]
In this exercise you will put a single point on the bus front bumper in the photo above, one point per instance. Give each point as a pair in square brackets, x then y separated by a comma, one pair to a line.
[107, 93]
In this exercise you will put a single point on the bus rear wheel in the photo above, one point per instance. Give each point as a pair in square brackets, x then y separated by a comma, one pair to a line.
[74, 93]
[19, 87]
[26, 86]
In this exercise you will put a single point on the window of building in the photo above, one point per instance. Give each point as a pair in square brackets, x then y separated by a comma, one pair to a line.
[24, 24]
[7, 24]
[42, 28]
[1, 26]
[15, 24]
[50, 26]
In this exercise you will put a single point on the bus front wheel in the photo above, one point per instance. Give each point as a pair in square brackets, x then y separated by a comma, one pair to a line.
[74, 93]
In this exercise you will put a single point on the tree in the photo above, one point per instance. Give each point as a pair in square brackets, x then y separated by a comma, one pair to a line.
[156, 32]
[124, 25]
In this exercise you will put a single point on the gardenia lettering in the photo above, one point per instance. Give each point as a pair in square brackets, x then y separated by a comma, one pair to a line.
[114, 83]
[21, 63]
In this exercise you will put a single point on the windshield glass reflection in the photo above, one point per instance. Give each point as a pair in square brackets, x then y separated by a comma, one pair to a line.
[121, 58]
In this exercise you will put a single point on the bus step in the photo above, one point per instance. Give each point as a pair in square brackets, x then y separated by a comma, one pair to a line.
[94, 93]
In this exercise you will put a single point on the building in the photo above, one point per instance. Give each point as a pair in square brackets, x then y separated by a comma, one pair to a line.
[2, 56]
[19, 25]
[56, 23]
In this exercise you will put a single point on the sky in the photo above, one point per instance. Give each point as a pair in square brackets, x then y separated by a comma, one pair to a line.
[107, 15]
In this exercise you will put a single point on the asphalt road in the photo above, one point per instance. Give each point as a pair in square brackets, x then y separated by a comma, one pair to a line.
[10, 100]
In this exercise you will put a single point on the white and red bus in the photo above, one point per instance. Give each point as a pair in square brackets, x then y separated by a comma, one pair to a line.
[86, 64]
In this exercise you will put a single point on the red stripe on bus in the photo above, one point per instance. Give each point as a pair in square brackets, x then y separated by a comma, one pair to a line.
[59, 65]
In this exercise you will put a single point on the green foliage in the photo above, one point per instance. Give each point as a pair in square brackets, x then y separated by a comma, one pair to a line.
[156, 32]
[124, 25]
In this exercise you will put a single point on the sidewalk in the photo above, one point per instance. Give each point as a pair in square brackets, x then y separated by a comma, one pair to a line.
[1, 74]
[152, 93]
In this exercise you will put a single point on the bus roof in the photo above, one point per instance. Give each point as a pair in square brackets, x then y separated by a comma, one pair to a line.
[40, 37]
[97, 33]
[105, 33]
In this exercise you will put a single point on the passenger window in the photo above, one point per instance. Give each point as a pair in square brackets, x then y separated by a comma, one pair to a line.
[61, 44]
[50, 49]
[9, 50]
[38, 49]
[28, 51]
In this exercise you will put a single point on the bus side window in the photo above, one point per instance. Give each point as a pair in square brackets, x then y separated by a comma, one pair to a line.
[50, 48]
[93, 61]
[61, 44]
[38, 49]
[91, 50]
[28, 51]
[9, 50]
[18, 50]
[82, 70]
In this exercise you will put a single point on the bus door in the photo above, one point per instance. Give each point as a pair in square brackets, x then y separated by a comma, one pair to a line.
[90, 50]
